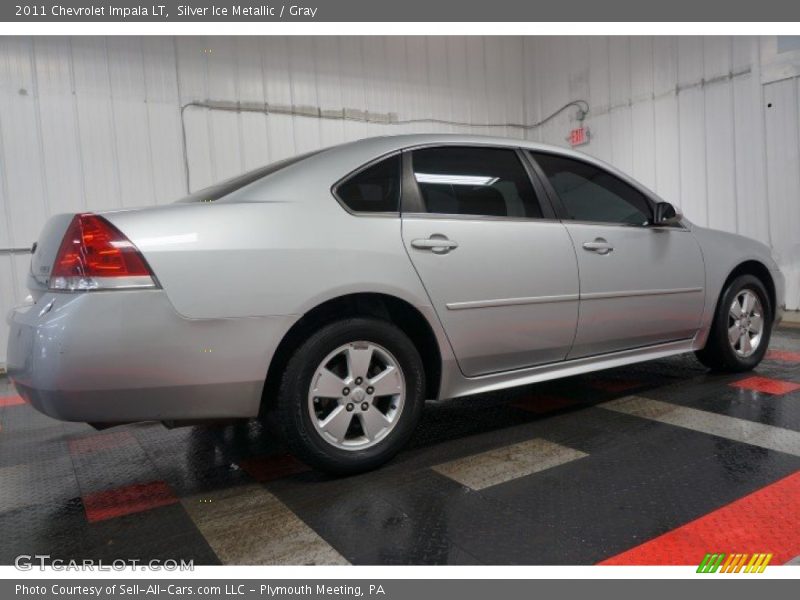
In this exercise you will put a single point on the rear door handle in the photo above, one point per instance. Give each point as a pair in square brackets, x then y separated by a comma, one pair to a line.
[438, 244]
[599, 245]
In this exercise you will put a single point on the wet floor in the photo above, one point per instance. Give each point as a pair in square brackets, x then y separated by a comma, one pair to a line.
[612, 466]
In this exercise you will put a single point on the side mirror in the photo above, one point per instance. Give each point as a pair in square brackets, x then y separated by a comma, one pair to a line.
[666, 215]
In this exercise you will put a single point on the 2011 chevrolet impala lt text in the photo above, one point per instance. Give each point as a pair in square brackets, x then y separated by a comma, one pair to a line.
[338, 290]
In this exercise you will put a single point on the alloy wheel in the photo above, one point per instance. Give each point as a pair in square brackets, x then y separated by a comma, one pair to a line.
[745, 323]
[356, 396]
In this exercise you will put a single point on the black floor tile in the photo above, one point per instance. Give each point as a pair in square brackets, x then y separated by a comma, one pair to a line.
[160, 533]
[641, 478]
[624, 494]
[56, 530]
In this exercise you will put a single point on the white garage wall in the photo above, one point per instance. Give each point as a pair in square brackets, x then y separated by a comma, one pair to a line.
[91, 123]
[688, 117]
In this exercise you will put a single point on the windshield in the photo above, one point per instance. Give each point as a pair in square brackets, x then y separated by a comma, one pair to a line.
[222, 189]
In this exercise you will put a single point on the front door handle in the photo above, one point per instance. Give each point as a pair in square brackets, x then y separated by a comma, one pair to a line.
[438, 244]
[599, 246]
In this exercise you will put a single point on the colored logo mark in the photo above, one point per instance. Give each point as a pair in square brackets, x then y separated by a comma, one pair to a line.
[734, 563]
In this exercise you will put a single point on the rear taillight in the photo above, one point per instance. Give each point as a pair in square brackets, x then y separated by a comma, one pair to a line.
[95, 255]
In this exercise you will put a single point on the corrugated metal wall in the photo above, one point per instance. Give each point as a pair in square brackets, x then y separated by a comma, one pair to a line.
[689, 117]
[90, 123]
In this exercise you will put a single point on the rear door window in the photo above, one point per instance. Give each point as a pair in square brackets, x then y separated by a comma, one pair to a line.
[480, 181]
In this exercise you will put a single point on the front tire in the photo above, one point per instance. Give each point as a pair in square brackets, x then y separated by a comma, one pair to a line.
[351, 396]
[741, 328]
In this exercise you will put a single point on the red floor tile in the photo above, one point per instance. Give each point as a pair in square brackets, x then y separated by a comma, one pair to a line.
[11, 401]
[99, 442]
[268, 468]
[127, 500]
[543, 404]
[767, 385]
[784, 356]
[766, 521]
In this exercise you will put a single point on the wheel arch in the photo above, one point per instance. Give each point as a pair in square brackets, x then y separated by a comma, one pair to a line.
[390, 308]
[758, 270]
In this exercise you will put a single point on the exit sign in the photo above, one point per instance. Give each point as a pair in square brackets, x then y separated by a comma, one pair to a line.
[578, 136]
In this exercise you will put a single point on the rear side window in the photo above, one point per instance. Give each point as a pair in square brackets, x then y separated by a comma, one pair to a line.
[590, 193]
[375, 189]
[474, 181]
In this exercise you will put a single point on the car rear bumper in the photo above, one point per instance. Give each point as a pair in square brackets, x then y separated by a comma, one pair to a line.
[115, 357]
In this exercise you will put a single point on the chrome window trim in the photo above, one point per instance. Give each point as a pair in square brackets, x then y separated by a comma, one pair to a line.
[462, 217]
[626, 225]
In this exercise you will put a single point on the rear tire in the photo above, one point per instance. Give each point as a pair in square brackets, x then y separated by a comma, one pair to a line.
[351, 396]
[741, 329]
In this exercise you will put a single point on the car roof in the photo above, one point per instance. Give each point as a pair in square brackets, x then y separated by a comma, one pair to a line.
[359, 152]
[389, 143]
[342, 159]
[330, 165]
[350, 156]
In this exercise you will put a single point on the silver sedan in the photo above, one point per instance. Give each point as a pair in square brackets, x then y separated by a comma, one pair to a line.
[340, 289]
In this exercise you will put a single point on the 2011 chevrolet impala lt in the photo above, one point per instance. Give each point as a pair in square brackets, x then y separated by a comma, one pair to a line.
[338, 290]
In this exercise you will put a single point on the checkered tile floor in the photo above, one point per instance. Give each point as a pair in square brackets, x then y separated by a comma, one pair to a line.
[657, 463]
